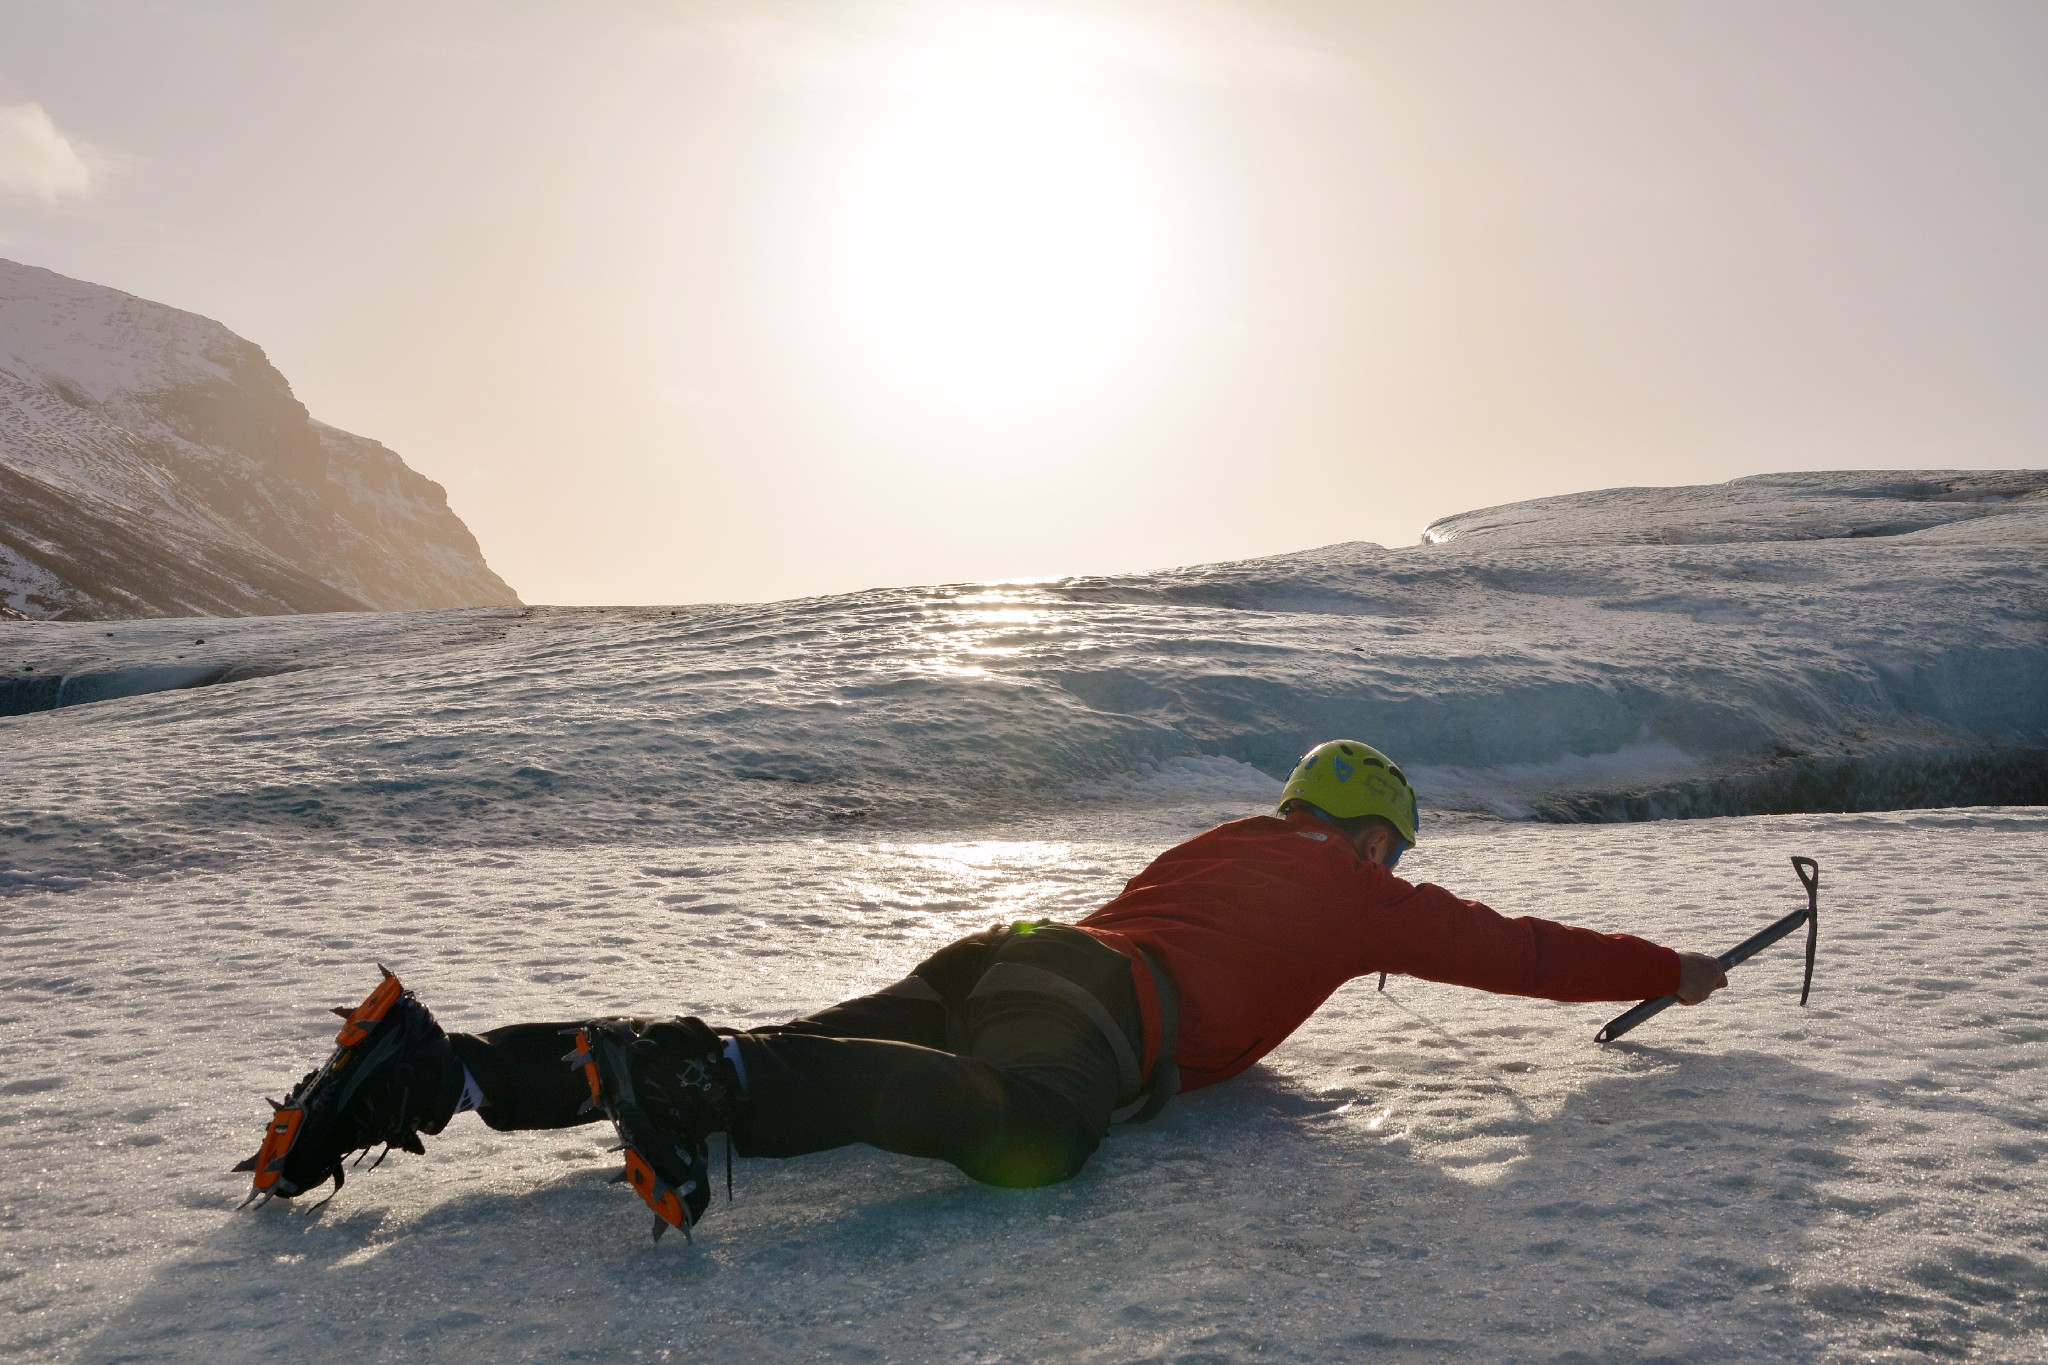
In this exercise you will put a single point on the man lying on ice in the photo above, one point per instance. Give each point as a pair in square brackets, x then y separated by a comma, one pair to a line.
[1008, 1053]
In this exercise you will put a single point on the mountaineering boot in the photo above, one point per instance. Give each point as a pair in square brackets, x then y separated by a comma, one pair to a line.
[392, 1077]
[666, 1085]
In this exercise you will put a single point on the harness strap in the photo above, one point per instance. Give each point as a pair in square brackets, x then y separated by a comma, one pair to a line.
[1151, 1093]
[1020, 978]
[1164, 1083]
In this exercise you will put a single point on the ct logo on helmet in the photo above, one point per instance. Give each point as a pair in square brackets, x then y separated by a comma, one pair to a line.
[1343, 769]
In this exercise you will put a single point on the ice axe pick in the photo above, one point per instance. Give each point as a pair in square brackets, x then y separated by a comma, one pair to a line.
[1809, 877]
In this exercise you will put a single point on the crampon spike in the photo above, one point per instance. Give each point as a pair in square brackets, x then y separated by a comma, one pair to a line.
[662, 1225]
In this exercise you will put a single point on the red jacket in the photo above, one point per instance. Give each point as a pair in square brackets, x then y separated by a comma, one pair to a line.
[1259, 920]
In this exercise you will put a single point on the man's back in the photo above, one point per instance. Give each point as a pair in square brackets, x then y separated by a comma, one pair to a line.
[1259, 920]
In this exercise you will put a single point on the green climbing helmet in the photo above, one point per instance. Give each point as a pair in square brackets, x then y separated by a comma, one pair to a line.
[1346, 779]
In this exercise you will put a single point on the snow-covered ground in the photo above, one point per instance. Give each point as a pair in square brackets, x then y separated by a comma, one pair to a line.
[1425, 1174]
[747, 812]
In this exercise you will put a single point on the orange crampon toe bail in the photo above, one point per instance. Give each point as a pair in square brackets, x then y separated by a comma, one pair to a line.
[277, 1141]
[667, 1205]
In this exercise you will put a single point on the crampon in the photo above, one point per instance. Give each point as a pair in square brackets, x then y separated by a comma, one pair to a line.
[660, 1086]
[384, 1083]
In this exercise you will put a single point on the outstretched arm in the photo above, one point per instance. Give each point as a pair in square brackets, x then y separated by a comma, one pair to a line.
[1435, 935]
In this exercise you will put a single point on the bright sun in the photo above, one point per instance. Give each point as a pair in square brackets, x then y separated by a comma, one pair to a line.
[998, 243]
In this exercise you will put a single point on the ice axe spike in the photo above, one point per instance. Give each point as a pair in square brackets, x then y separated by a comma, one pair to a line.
[1809, 877]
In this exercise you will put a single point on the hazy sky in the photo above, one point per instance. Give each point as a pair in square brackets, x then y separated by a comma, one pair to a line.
[718, 301]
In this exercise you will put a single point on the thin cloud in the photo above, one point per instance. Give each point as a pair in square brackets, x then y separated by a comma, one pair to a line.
[36, 159]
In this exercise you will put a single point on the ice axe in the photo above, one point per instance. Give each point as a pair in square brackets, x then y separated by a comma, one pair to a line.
[1809, 877]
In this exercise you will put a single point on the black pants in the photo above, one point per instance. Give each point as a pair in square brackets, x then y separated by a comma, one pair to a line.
[1014, 1087]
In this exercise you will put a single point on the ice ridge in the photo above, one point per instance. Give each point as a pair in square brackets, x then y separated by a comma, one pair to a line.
[1556, 666]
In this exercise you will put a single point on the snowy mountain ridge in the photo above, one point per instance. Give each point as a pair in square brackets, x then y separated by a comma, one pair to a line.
[153, 463]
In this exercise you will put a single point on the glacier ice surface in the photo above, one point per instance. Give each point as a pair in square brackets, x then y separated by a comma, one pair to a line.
[1742, 648]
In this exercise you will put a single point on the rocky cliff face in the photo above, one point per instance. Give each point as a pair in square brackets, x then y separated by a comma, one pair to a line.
[153, 463]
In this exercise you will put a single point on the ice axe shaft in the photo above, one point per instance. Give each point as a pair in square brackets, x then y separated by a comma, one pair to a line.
[1809, 877]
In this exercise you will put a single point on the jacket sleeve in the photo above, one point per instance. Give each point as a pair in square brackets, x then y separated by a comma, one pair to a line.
[1433, 934]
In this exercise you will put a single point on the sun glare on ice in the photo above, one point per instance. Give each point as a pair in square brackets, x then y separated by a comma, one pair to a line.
[998, 623]
[997, 246]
